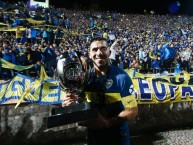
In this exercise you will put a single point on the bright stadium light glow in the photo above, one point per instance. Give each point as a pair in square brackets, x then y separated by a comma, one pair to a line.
[43, 3]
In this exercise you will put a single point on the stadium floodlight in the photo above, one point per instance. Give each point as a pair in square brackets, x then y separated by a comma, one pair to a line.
[43, 3]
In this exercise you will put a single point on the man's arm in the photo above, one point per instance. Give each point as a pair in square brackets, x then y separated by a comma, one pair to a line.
[115, 43]
[127, 114]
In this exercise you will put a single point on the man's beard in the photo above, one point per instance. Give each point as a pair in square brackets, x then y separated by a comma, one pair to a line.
[102, 66]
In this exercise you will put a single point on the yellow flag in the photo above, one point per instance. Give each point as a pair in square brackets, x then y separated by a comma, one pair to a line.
[36, 84]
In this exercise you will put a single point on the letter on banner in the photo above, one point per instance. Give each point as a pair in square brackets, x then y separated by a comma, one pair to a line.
[173, 92]
[160, 94]
[17, 86]
[187, 91]
[3, 88]
[145, 91]
[50, 93]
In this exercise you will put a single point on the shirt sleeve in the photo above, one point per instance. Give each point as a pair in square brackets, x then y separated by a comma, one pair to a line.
[127, 92]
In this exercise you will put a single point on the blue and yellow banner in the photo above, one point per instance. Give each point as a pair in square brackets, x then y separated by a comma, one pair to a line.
[33, 91]
[152, 89]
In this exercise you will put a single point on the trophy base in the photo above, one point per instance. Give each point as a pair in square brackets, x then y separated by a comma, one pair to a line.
[71, 114]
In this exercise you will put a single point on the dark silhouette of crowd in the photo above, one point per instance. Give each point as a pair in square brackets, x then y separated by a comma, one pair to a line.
[149, 43]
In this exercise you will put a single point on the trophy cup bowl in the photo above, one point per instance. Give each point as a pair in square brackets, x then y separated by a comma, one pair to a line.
[73, 79]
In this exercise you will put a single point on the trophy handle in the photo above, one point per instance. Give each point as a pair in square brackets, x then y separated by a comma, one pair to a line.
[84, 68]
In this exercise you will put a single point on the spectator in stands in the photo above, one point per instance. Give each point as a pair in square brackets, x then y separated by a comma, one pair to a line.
[51, 36]
[126, 64]
[113, 52]
[155, 65]
[7, 52]
[21, 56]
[34, 33]
[45, 35]
[166, 62]
[58, 34]
[7, 55]
[183, 64]
[34, 56]
[67, 24]
[49, 60]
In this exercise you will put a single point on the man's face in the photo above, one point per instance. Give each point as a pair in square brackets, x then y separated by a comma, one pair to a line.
[99, 53]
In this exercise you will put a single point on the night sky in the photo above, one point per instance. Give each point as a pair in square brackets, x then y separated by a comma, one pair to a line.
[129, 6]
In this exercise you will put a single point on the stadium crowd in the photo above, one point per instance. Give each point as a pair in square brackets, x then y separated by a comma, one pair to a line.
[150, 43]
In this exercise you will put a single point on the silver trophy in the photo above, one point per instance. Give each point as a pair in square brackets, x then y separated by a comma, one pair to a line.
[73, 77]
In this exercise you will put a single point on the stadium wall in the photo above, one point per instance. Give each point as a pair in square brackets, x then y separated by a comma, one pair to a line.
[27, 123]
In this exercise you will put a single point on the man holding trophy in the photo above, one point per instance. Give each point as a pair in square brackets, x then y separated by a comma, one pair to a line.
[108, 89]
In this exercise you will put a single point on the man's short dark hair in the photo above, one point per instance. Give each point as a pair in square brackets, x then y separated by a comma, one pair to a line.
[98, 39]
